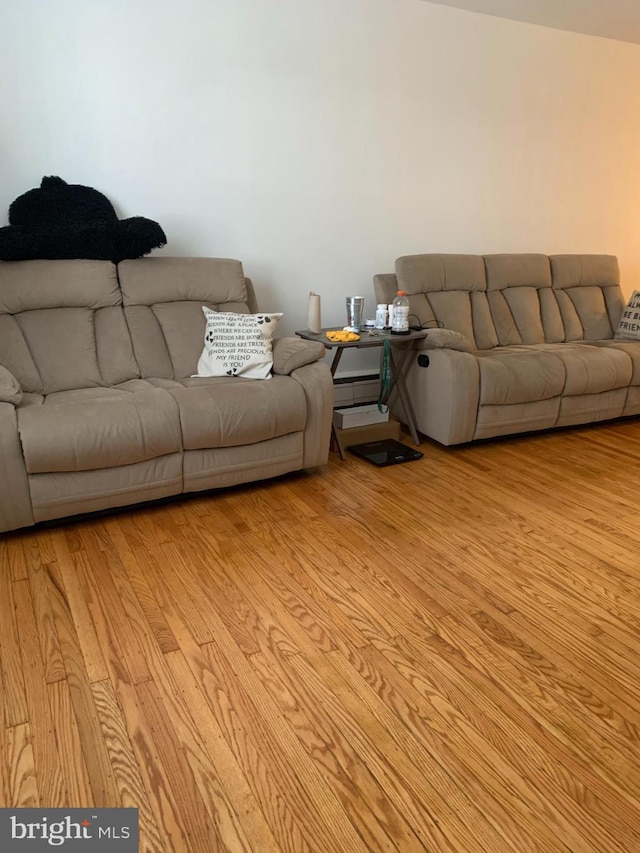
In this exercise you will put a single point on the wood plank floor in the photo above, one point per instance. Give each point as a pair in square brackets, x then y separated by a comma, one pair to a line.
[439, 656]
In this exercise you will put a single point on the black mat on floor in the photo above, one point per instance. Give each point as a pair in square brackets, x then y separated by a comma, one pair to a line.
[385, 452]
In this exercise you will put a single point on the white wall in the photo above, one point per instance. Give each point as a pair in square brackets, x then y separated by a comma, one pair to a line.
[317, 140]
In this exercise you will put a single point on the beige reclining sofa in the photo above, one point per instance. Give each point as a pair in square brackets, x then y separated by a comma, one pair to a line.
[531, 344]
[102, 410]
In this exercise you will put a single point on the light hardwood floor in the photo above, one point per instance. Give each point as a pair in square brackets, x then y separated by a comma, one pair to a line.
[439, 656]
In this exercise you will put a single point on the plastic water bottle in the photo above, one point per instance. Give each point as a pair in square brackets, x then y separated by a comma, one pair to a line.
[400, 314]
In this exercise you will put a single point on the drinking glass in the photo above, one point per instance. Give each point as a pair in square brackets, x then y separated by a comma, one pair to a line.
[355, 307]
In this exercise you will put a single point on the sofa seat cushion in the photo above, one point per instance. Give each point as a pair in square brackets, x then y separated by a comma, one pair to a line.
[591, 370]
[522, 374]
[94, 428]
[630, 348]
[510, 375]
[232, 411]
[84, 395]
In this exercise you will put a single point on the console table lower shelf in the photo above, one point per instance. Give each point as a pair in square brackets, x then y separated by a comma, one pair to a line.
[362, 434]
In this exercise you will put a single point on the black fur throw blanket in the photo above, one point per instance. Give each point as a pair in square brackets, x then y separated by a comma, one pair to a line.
[61, 220]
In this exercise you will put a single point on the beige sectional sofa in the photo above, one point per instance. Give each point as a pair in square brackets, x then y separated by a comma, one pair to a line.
[106, 412]
[532, 343]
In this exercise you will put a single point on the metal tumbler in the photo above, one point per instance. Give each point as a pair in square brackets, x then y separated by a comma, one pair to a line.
[355, 307]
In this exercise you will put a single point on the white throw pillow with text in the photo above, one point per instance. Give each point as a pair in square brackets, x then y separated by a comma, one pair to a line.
[237, 344]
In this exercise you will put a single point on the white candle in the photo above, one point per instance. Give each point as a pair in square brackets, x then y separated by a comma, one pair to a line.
[313, 314]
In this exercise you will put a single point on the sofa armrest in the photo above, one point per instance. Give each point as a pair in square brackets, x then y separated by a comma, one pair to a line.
[10, 390]
[291, 353]
[446, 395]
[446, 339]
[317, 383]
[15, 498]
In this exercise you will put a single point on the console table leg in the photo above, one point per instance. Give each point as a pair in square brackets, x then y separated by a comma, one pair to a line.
[334, 431]
[400, 365]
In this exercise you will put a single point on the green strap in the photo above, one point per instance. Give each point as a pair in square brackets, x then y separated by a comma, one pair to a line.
[385, 379]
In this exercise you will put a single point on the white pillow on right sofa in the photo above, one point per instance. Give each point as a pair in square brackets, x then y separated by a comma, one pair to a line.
[629, 325]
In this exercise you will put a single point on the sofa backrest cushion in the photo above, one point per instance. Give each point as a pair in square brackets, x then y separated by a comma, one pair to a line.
[587, 289]
[523, 304]
[450, 291]
[60, 322]
[163, 299]
[512, 299]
